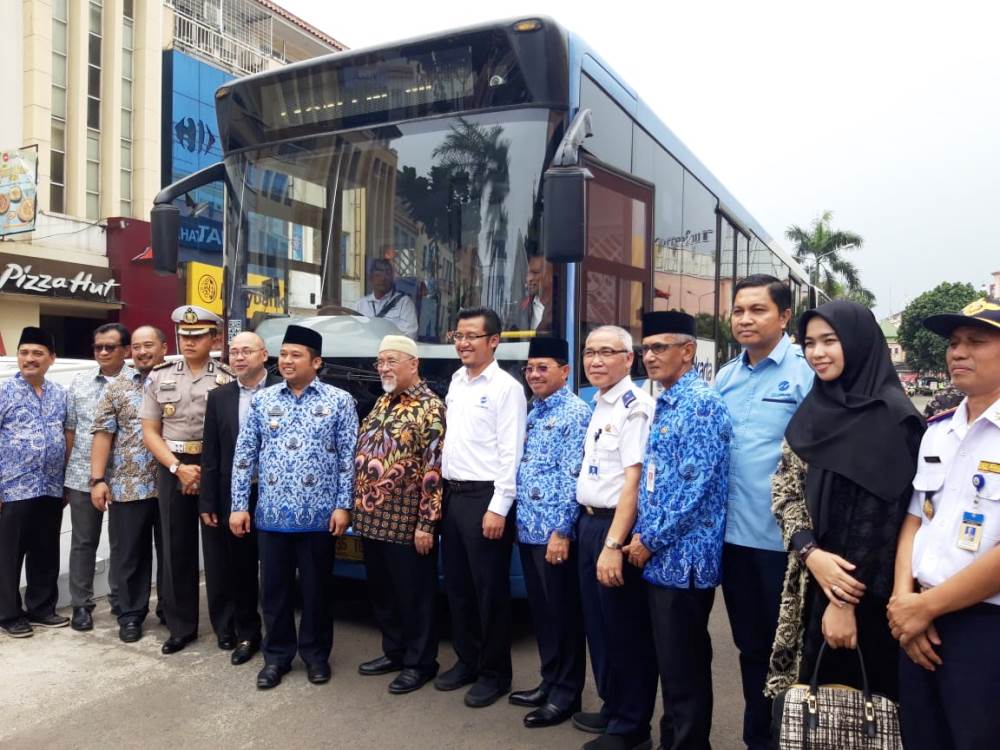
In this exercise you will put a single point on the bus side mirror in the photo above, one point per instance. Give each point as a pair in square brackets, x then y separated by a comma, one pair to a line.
[165, 227]
[564, 214]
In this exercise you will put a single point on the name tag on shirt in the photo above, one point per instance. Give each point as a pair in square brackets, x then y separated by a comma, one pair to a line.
[970, 531]
[650, 478]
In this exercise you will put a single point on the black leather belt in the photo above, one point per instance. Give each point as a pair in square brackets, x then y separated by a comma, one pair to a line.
[461, 484]
[597, 511]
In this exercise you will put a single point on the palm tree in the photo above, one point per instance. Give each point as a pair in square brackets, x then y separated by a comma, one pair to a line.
[837, 276]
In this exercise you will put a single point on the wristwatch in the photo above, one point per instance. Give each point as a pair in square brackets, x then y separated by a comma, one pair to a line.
[94, 481]
[174, 467]
[612, 544]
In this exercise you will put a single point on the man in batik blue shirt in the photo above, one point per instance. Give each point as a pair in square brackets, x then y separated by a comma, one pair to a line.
[546, 521]
[32, 467]
[681, 522]
[298, 442]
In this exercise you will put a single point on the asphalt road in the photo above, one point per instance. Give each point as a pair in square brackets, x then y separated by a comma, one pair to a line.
[62, 689]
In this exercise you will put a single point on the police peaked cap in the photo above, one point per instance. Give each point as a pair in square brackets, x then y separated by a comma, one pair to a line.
[304, 337]
[548, 346]
[667, 321]
[33, 335]
[980, 314]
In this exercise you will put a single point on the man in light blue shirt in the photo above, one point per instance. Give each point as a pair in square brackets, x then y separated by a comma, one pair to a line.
[762, 389]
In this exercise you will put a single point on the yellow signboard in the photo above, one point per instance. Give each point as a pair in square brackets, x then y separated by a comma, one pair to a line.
[204, 288]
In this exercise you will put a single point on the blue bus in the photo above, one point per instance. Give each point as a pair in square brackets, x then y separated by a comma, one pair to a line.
[504, 165]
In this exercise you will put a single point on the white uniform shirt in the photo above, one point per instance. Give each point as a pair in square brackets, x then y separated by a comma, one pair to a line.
[403, 314]
[616, 439]
[485, 434]
[962, 451]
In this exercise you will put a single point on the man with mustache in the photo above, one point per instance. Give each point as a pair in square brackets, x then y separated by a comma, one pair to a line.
[32, 465]
[397, 506]
[123, 483]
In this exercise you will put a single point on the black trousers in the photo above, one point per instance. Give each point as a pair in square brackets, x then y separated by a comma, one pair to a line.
[752, 580]
[402, 585]
[616, 620]
[554, 597]
[231, 578]
[178, 592]
[134, 529]
[281, 555]
[684, 656]
[29, 536]
[955, 707]
[477, 581]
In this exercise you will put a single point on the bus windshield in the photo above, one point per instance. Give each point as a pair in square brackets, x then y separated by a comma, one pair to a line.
[395, 228]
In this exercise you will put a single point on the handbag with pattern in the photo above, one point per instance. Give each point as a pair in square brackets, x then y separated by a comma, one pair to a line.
[835, 717]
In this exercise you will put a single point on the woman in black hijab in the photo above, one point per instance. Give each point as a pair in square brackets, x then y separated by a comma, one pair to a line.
[840, 495]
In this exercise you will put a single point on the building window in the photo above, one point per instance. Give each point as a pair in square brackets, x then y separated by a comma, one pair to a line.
[93, 207]
[57, 153]
[93, 174]
[127, 80]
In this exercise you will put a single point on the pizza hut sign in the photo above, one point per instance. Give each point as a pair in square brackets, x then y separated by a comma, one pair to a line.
[19, 275]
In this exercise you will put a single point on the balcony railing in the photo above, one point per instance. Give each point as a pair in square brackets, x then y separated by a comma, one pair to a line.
[213, 46]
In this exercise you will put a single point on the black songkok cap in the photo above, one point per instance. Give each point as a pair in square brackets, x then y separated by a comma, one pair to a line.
[548, 346]
[303, 336]
[667, 321]
[32, 335]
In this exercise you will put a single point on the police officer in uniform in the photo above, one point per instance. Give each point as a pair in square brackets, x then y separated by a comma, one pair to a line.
[173, 416]
[615, 610]
[945, 610]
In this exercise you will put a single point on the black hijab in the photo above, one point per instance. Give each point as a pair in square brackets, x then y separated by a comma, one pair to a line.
[861, 426]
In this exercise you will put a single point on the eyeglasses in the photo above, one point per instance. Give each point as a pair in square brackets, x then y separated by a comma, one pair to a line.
[542, 370]
[98, 348]
[378, 364]
[458, 338]
[604, 353]
[235, 353]
[658, 349]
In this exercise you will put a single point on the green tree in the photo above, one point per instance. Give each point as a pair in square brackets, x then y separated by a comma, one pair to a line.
[822, 248]
[925, 350]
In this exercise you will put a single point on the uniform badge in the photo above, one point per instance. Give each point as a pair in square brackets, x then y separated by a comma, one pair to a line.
[321, 410]
[664, 430]
[608, 428]
[628, 398]
[273, 424]
[928, 506]
[990, 467]
[169, 410]
[190, 316]
[221, 379]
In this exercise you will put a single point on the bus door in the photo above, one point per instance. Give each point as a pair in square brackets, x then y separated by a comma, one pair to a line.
[616, 284]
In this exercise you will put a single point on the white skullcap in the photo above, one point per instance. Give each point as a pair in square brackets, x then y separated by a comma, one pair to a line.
[403, 344]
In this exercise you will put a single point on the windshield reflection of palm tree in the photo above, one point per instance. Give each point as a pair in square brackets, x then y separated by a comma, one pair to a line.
[483, 156]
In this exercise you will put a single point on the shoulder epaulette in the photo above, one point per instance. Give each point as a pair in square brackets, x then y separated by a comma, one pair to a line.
[225, 368]
[162, 365]
[942, 416]
[628, 398]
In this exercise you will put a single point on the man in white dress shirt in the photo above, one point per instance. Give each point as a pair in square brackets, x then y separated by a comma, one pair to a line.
[487, 412]
[615, 613]
[387, 302]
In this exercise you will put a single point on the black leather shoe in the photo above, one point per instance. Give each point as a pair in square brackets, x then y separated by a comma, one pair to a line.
[484, 694]
[381, 665]
[49, 621]
[244, 652]
[590, 721]
[227, 642]
[529, 698]
[175, 643]
[82, 619]
[18, 628]
[130, 632]
[318, 673]
[270, 676]
[549, 715]
[409, 680]
[456, 677]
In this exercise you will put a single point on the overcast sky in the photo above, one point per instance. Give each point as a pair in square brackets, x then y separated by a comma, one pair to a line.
[886, 113]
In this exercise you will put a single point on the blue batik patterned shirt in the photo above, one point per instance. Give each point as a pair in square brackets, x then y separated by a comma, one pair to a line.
[81, 405]
[684, 486]
[550, 465]
[302, 450]
[32, 440]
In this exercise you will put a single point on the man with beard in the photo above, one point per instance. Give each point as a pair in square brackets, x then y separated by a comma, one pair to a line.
[397, 507]
[123, 482]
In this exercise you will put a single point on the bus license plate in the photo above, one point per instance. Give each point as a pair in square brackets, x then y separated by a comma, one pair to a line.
[349, 548]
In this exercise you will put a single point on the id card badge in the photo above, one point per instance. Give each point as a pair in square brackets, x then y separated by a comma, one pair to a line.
[650, 477]
[593, 472]
[970, 531]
